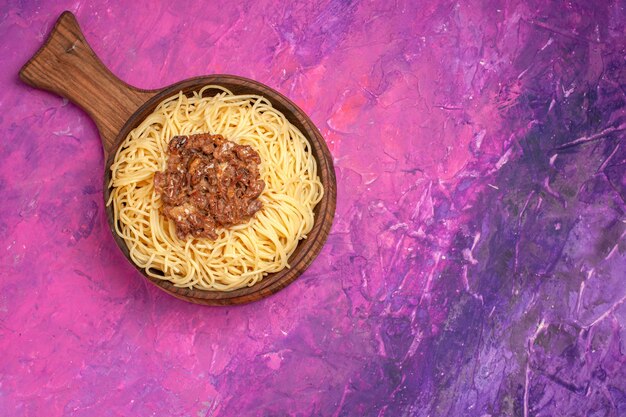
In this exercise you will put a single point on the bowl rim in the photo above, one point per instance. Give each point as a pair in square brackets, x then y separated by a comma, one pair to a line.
[307, 249]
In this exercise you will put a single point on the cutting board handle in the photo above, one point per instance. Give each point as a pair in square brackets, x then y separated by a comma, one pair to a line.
[67, 66]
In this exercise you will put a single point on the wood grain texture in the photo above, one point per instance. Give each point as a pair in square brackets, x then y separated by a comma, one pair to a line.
[67, 66]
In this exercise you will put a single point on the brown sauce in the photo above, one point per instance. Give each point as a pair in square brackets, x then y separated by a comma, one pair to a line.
[209, 182]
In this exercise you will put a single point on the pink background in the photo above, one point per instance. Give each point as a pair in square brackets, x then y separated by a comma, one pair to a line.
[476, 263]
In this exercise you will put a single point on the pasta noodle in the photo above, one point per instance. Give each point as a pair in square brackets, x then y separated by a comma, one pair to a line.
[242, 254]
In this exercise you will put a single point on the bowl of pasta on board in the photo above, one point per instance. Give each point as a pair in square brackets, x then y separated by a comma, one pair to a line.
[218, 189]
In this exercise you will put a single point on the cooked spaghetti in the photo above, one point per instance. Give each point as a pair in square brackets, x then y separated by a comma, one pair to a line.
[242, 254]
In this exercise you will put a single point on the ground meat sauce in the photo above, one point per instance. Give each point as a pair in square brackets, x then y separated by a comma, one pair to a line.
[209, 182]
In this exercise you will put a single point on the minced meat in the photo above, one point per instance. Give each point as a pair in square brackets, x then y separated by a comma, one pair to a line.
[209, 182]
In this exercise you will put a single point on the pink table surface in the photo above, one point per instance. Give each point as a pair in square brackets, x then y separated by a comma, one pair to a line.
[476, 263]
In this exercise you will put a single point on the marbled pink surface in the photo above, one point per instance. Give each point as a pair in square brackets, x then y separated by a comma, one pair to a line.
[476, 266]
